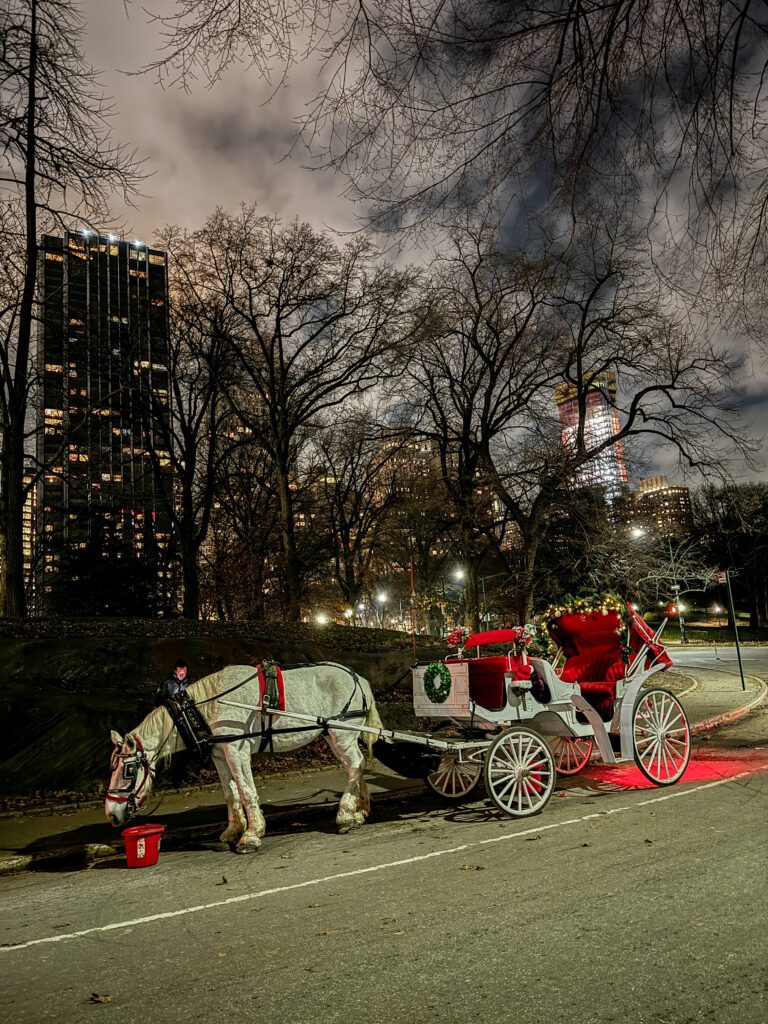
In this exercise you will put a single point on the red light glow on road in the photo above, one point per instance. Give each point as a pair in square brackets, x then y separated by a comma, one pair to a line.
[702, 768]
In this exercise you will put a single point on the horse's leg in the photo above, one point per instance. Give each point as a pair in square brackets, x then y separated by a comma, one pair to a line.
[236, 823]
[238, 757]
[355, 803]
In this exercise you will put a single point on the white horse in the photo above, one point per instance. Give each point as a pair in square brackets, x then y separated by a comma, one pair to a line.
[323, 690]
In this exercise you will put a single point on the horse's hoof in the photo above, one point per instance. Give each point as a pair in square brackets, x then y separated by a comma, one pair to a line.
[250, 848]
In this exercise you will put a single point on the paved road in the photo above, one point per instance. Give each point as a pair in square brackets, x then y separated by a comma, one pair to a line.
[620, 903]
[754, 659]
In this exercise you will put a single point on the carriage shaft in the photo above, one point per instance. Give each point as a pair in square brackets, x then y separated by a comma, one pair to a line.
[385, 734]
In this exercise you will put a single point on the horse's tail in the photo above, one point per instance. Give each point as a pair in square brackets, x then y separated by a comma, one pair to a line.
[373, 721]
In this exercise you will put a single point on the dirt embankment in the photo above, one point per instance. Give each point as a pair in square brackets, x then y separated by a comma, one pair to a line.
[64, 685]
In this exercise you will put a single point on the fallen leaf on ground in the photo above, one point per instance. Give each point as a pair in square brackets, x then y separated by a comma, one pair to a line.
[532, 839]
[649, 841]
[329, 931]
[586, 844]
[472, 867]
[559, 792]
[96, 998]
[315, 904]
[400, 931]
[223, 880]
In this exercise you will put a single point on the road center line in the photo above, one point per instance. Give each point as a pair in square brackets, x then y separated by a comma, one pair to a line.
[247, 897]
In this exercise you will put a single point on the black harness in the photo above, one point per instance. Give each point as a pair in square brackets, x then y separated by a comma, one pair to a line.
[196, 732]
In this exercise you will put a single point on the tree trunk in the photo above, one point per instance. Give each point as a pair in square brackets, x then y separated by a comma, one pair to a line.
[191, 604]
[531, 550]
[291, 569]
[14, 604]
[471, 598]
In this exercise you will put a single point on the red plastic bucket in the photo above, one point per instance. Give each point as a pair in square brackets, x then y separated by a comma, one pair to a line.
[142, 845]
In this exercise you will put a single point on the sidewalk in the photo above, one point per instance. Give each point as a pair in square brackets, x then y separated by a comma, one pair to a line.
[69, 840]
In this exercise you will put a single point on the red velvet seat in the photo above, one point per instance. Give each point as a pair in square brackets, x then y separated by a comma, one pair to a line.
[486, 682]
[593, 657]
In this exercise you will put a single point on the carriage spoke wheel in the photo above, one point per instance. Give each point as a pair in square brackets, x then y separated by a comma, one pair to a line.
[571, 753]
[519, 772]
[661, 736]
[454, 779]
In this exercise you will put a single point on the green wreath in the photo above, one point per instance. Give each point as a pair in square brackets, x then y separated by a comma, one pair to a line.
[438, 694]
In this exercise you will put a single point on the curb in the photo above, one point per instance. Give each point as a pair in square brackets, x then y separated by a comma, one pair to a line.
[75, 858]
[732, 716]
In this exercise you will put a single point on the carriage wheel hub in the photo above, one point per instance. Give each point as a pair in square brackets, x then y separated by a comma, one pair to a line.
[522, 772]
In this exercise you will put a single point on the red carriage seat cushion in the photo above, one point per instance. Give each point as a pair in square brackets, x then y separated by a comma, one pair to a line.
[593, 649]
[486, 682]
[601, 696]
[595, 667]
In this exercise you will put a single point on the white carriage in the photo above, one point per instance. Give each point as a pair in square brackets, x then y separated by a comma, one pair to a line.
[521, 721]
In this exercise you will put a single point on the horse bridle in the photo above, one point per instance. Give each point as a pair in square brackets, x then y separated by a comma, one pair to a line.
[129, 795]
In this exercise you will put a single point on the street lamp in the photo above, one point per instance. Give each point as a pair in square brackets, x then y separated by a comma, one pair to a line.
[321, 619]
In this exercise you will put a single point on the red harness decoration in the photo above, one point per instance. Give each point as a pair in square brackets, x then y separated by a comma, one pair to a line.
[271, 690]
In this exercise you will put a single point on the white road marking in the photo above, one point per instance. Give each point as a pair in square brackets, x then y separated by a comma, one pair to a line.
[247, 897]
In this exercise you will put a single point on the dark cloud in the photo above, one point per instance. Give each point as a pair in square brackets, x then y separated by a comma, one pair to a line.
[208, 147]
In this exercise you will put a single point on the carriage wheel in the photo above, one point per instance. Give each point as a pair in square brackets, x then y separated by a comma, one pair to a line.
[661, 736]
[519, 772]
[453, 779]
[571, 753]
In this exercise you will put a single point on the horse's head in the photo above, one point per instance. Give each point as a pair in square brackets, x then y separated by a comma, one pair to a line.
[131, 781]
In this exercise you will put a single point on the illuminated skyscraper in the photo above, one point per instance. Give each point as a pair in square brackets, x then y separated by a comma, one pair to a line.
[103, 361]
[664, 508]
[607, 469]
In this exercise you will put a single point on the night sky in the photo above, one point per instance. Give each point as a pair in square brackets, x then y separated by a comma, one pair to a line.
[230, 143]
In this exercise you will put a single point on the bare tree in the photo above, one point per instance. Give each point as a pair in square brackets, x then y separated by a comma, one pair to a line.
[57, 162]
[481, 365]
[584, 324]
[360, 491]
[311, 328]
[732, 527]
[195, 423]
[431, 102]
[243, 547]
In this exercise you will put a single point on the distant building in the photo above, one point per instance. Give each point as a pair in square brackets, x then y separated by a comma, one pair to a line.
[661, 507]
[29, 537]
[608, 469]
[103, 360]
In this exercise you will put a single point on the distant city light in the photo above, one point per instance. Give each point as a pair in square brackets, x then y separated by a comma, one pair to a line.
[137, 242]
[459, 574]
[637, 531]
[112, 238]
[381, 597]
[361, 607]
[348, 613]
[321, 619]
[636, 607]
[681, 607]
[717, 609]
